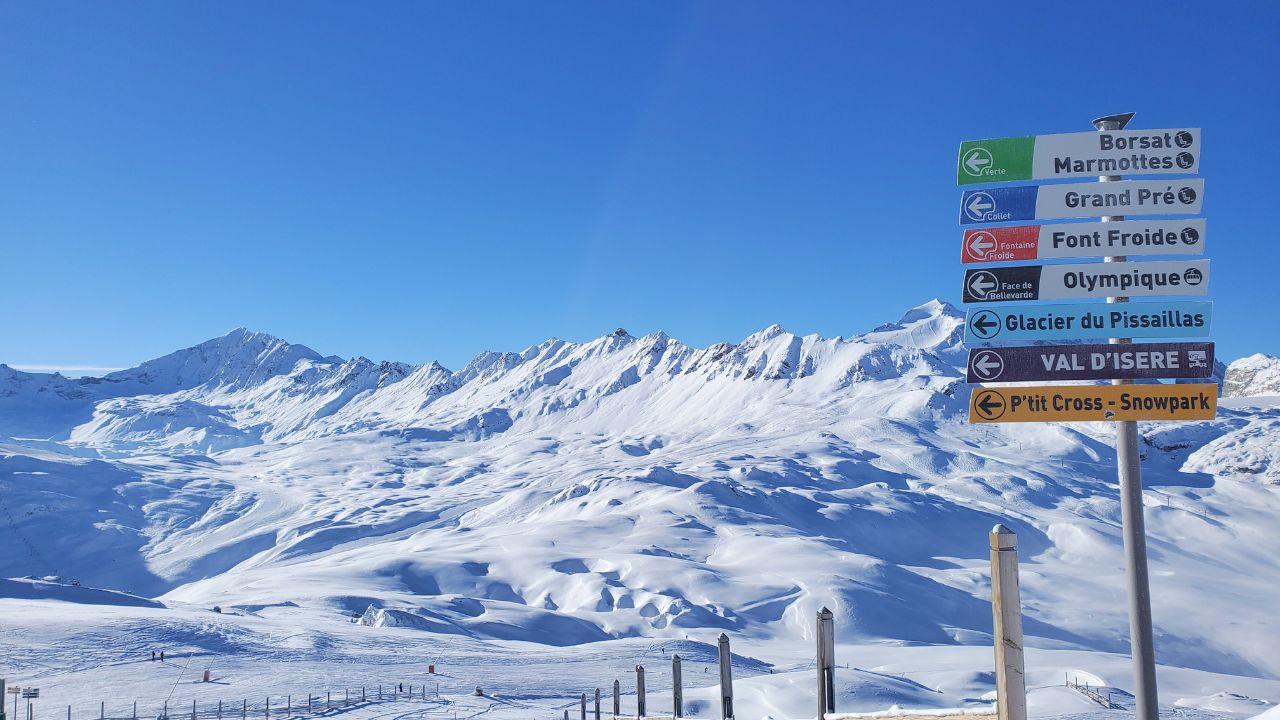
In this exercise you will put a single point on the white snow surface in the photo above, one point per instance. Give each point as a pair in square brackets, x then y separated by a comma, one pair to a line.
[580, 503]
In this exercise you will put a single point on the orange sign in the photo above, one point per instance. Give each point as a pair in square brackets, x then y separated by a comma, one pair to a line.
[1088, 403]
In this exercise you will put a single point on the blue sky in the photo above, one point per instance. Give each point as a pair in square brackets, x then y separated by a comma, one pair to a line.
[420, 181]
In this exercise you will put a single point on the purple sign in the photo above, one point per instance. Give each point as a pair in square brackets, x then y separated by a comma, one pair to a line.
[1035, 363]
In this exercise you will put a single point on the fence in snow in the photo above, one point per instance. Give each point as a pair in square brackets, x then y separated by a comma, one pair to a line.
[262, 709]
[1011, 694]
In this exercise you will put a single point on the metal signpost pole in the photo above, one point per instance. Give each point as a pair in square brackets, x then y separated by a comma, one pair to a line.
[1135, 538]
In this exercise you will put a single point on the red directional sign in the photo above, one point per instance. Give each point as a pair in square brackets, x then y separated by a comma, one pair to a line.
[1083, 240]
[1001, 244]
[1088, 239]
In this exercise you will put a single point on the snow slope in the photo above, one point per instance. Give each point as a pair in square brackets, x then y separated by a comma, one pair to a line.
[634, 487]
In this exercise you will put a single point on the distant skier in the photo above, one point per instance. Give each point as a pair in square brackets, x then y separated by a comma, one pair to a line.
[153, 656]
[401, 686]
[161, 656]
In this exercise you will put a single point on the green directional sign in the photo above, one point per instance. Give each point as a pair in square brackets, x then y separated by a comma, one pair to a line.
[1174, 151]
[999, 160]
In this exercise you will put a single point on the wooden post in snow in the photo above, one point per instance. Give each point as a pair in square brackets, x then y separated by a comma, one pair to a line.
[1006, 611]
[640, 709]
[826, 662]
[597, 704]
[726, 677]
[583, 714]
[617, 698]
[677, 688]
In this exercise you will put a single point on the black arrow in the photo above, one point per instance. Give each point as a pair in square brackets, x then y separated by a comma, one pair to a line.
[982, 323]
[986, 405]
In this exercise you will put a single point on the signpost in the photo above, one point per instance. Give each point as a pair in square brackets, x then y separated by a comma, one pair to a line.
[1087, 321]
[1072, 155]
[1075, 200]
[1047, 363]
[1085, 239]
[1107, 154]
[1084, 403]
[1086, 280]
[28, 694]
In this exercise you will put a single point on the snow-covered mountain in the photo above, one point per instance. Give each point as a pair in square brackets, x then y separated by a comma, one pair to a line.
[1252, 376]
[632, 486]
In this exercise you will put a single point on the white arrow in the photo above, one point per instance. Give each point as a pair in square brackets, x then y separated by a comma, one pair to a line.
[981, 284]
[977, 204]
[985, 363]
[976, 161]
[980, 244]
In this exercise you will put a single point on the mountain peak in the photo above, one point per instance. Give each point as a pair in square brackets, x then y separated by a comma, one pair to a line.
[935, 325]
[1257, 374]
[241, 357]
[760, 336]
[933, 308]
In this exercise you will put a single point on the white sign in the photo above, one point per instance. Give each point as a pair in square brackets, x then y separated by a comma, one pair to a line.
[1086, 280]
[1072, 200]
[1085, 154]
[1087, 239]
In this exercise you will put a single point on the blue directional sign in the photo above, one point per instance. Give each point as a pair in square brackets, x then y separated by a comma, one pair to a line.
[998, 204]
[1086, 321]
[1073, 200]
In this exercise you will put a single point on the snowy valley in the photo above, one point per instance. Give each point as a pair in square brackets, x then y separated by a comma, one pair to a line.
[576, 508]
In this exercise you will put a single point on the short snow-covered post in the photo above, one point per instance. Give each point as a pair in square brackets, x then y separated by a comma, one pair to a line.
[617, 698]
[1006, 611]
[726, 677]
[826, 662]
[677, 688]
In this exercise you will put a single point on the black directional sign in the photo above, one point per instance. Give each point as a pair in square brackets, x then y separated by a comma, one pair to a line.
[1090, 362]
